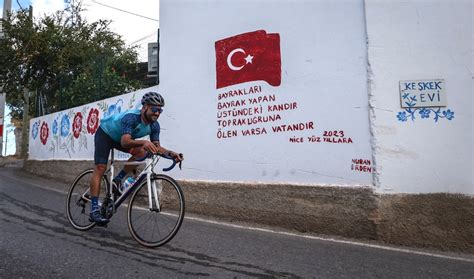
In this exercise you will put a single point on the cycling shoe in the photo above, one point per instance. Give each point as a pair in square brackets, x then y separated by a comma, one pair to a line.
[96, 216]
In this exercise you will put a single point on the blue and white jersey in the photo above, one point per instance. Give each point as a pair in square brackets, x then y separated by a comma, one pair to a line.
[129, 122]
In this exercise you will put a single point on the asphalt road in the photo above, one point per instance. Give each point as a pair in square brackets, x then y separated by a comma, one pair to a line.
[36, 241]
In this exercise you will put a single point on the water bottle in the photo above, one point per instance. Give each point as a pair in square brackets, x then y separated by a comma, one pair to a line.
[129, 182]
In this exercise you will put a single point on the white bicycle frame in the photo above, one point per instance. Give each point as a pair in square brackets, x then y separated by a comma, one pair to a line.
[154, 192]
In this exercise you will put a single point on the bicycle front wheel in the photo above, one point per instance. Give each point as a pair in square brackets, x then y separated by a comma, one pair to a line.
[155, 224]
[79, 199]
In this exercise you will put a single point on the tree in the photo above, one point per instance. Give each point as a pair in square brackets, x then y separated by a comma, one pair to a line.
[64, 58]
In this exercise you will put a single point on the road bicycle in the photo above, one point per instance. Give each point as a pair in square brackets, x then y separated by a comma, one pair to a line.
[155, 210]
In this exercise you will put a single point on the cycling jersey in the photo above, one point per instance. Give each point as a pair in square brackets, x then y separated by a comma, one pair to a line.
[129, 122]
[111, 129]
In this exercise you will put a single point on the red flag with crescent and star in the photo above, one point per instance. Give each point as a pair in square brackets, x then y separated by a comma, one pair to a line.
[248, 57]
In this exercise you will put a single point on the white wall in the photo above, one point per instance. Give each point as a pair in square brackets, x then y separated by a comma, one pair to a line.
[323, 71]
[56, 137]
[421, 40]
[323, 47]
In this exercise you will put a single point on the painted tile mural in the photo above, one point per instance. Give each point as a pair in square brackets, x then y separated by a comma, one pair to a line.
[69, 134]
[424, 113]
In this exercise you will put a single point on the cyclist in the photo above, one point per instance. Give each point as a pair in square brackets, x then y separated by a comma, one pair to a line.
[120, 131]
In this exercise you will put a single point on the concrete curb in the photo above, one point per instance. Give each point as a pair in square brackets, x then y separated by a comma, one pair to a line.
[10, 161]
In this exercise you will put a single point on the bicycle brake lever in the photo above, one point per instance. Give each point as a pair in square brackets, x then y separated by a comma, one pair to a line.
[180, 162]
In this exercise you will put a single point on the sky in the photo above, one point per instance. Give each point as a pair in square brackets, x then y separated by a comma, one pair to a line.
[136, 21]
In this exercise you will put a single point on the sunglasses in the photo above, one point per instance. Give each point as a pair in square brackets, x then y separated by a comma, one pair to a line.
[156, 109]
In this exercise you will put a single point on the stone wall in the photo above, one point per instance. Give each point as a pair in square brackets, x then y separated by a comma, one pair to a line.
[440, 221]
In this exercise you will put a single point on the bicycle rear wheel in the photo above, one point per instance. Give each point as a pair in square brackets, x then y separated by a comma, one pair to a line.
[155, 227]
[78, 200]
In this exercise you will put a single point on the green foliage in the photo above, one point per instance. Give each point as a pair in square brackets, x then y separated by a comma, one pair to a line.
[63, 57]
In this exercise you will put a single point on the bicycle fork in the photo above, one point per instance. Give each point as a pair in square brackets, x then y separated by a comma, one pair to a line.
[154, 192]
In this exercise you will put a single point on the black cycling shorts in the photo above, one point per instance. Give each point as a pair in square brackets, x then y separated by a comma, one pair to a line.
[103, 144]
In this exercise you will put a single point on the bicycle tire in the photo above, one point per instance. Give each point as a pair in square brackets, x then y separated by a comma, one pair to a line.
[168, 219]
[77, 203]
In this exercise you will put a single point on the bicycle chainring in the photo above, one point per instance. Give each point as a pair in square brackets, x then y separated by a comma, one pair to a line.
[107, 208]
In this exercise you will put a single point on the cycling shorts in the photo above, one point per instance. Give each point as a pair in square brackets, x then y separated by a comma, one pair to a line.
[103, 144]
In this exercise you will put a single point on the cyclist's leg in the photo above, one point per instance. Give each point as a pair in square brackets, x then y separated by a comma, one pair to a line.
[95, 215]
[99, 171]
[102, 149]
[138, 154]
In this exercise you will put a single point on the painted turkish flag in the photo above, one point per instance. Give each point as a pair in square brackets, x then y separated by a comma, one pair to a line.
[248, 57]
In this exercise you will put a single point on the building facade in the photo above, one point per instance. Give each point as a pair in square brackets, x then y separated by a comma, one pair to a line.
[352, 117]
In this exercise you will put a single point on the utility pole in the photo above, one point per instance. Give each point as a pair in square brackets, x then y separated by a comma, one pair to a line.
[26, 113]
[7, 7]
[26, 125]
[2, 113]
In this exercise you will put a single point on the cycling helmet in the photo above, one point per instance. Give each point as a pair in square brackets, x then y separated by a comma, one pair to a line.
[154, 99]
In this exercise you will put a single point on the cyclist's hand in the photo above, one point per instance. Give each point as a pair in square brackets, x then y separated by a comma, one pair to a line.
[177, 157]
[150, 147]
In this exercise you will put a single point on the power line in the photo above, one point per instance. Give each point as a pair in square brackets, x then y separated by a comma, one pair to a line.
[124, 11]
[143, 38]
[21, 8]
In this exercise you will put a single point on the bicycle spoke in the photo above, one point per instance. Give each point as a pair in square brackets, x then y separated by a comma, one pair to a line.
[156, 228]
[78, 207]
[153, 233]
[141, 216]
[143, 224]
